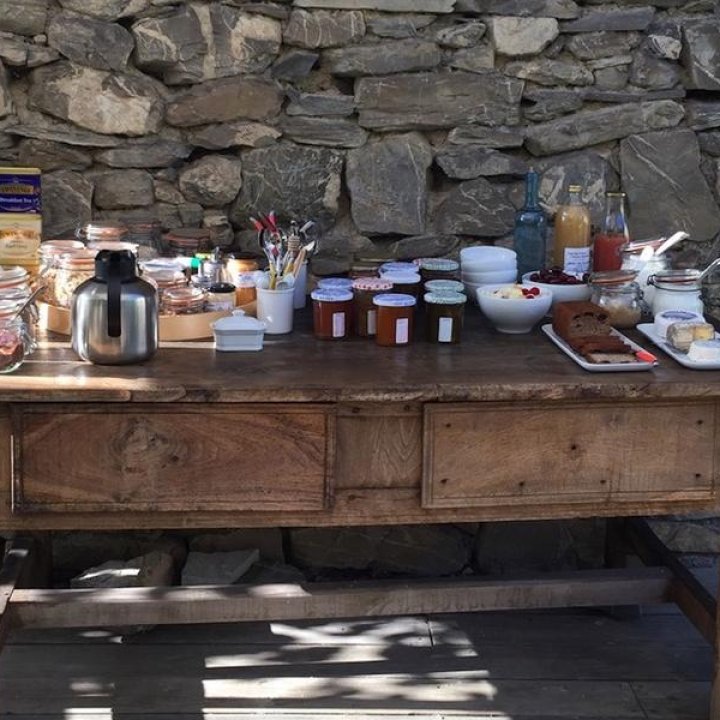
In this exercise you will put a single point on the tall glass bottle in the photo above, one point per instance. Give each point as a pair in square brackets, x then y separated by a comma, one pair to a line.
[608, 245]
[571, 248]
[530, 234]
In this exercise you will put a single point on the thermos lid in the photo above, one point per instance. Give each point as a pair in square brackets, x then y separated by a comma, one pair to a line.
[115, 264]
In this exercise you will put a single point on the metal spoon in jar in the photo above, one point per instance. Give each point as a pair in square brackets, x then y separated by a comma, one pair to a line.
[671, 241]
[714, 264]
[27, 302]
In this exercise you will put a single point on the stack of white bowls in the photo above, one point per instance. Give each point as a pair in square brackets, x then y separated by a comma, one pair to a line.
[482, 265]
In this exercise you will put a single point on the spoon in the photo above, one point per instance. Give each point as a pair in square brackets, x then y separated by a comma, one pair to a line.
[708, 270]
[27, 302]
[672, 240]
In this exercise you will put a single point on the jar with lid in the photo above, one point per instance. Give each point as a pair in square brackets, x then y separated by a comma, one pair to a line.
[332, 313]
[188, 241]
[72, 271]
[608, 244]
[444, 317]
[183, 301]
[12, 299]
[146, 233]
[677, 290]
[634, 259]
[240, 264]
[363, 267]
[365, 290]
[220, 297]
[49, 254]
[15, 342]
[102, 231]
[438, 269]
[395, 319]
[404, 283]
[619, 295]
[245, 291]
[444, 286]
[571, 244]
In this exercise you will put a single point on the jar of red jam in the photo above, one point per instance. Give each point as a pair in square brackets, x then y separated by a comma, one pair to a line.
[332, 313]
[444, 316]
[439, 269]
[365, 289]
[404, 283]
[395, 316]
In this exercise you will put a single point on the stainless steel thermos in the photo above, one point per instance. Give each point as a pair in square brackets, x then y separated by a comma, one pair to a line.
[115, 313]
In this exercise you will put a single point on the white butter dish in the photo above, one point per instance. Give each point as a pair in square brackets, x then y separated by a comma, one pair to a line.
[238, 333]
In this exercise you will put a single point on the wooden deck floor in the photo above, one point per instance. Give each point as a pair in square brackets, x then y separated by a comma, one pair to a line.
[524, 666]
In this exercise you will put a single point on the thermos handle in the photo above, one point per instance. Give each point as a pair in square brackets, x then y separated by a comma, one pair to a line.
[114, 286]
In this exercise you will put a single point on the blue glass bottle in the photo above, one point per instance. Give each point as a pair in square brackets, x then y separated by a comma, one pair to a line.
[530, 232]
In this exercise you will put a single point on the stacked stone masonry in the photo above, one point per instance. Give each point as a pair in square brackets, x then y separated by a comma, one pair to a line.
[403, 127]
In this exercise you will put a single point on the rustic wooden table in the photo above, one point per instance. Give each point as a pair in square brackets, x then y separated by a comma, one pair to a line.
[311, 433]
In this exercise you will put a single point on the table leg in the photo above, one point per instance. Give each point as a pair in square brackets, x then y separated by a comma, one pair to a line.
[715, 694]
[14, 564]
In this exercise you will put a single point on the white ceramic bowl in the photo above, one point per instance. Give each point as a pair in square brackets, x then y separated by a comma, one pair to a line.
[486, 258]
[513, 315]
[491, 276]
[471, 289]
[560, 293]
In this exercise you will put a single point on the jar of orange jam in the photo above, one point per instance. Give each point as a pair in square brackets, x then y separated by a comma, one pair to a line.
[365, 289]
[332, 313]
[395, 316]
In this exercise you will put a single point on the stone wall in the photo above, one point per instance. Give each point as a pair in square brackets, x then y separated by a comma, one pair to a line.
[402, 126]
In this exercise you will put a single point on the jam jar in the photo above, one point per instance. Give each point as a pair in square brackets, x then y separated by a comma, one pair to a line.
[245, 291]
[617, 292]
[444, 317]
[335, 283]
[332, 313]
[14, 339]
[404, 283]
[365, 289]
[72, 271]
[395, 319]
[439, 269]
[220, 297]
[183, 301]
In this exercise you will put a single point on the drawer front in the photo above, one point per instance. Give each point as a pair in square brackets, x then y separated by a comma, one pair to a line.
[202, 458]
[505, 455]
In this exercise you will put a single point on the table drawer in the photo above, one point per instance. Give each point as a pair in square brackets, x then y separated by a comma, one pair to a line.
[199, 458]
[515, 455]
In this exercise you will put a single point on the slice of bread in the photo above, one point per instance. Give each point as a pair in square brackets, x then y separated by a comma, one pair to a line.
[605, 358]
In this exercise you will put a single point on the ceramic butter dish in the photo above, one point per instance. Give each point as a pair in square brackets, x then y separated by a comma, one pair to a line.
[238, 332]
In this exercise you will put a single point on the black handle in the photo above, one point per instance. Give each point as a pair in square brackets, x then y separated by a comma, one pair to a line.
[113, 307]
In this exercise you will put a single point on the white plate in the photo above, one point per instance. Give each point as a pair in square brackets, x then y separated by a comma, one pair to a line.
[597, 367]
[648, 330]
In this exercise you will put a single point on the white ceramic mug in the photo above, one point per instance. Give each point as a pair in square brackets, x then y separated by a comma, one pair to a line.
[301, 287]
[275, 309]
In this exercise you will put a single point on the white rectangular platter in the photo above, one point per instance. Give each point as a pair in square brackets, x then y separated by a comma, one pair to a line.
[648, 330]
[597, 367]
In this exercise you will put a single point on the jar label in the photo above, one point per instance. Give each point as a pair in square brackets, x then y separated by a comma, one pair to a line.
[445, 329]
[338, 324]
[402, 331]
[577, 260]
[372, 322]
[219, 305]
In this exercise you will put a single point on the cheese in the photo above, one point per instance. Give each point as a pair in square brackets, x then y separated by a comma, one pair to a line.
[665, 319]
[682, 334]
[704, 351]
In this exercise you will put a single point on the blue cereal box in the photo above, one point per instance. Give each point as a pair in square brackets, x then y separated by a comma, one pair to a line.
[20, 190]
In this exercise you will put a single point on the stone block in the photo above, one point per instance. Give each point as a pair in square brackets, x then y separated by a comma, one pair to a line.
[701, 54]
[152, 570]
[432, 245]
[551, 72]
[551, 103]
[383, 58]
[403, 25]
[387, 181]
[123, 188]
[592, 46]
[234, 134]
[220, 568]
[153, 151]
[612, 19]
[268, 573]
[688, 537]
[28, 17]
[466, 34]
[67, 203]
[319, 104]
[294, 65]
[560, 9]
[321, 29]
[518, 36]
[465, 162]
[109, 10]
[267, 541]
[419, 6]
[652, 72]
[49, 156]
[475, 59]
[497, 137]
[332, 132]
[211, 181]
[702, 114]
[6, 101]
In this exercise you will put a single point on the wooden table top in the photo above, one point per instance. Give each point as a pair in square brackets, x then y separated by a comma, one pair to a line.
[486, 366]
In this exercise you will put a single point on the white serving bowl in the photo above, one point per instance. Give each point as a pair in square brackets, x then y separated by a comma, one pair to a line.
[560, 293]
[513, 316]
[471, 289]
[486, 258]
[491, 276]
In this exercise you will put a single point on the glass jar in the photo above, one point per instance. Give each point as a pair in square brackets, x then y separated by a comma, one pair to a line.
[183, 301]
[220, 297]
[677, 290]
[72, 271]
[245, 291]
[102, 231]
[656, 264]
[13, 340]
[188, 241]
[439, 269]
[571, 243]
[11, 300]
[395, 319]
[146, 233]
[444, 286]
[365, 290]
[608, 244]
[335, 283]
[238, 265]
[332, 313]
[404, 283]
[619, 295]
[444, 317]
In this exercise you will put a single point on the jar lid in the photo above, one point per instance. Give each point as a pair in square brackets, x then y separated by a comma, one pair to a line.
[79, 260]
[612, 277]
[447, 298]
[60, 247]
[114, 245]
[371, 283]
[393, 267]
[331, 295]
[9, 308]
[394, 300]
[439, 265]
[221, 287]
[436, 286]
[673, 277]
[184, 295]
[13, 273]
[245, 281]
[239, 321]
[401, 278]
[161, 265]
[335, 283]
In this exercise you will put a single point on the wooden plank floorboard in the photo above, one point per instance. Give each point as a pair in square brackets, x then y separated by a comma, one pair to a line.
[275, 715]
[673, 701]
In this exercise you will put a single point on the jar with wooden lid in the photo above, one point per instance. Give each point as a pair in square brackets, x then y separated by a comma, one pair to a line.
[395, 319]
[72, 271]
[332, 313]
[444, 317]
[619, 295]
[365, 290]
[183, 301]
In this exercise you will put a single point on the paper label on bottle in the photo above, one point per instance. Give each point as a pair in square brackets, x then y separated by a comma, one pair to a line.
[372, 322]
[577, 260]
[338, 325]
[445, 329]
[402, 331]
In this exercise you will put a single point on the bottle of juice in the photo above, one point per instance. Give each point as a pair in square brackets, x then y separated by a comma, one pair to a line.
[571, 250]
[530, 234]
[608, 245]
